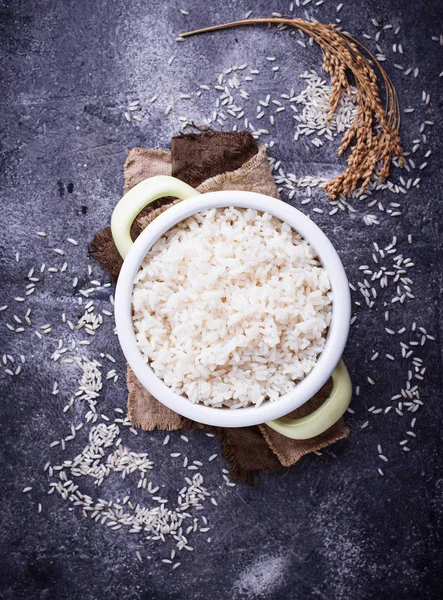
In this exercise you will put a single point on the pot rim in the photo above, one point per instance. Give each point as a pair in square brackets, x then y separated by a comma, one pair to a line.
[336, 337]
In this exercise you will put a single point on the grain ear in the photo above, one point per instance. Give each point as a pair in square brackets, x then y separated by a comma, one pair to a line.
[373, 140]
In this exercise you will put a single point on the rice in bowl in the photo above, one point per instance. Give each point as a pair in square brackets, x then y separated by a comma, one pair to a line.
[231, 308]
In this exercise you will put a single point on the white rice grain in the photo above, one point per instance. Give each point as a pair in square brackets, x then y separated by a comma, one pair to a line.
[214, 306]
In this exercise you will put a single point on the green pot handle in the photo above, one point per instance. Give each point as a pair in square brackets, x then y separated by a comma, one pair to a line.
[137, 198]
[325, 416]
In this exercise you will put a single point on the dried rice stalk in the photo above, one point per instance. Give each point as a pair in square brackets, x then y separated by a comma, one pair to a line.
[373, 139]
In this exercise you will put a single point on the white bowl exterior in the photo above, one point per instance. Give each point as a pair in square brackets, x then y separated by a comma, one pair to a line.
[337, 334]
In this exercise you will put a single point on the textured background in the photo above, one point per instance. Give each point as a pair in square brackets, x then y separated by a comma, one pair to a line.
[332, 528]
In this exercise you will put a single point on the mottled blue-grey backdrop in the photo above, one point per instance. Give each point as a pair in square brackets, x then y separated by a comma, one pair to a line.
[332, 527]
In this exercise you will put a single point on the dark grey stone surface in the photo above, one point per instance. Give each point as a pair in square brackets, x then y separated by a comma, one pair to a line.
[331, 528]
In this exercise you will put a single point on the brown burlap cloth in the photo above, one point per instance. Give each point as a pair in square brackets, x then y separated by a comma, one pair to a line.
[211, 161]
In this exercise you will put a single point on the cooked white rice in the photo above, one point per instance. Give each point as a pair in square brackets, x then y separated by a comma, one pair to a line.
[231, 308]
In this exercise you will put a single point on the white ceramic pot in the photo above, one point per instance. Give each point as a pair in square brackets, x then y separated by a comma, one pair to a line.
[329, 363]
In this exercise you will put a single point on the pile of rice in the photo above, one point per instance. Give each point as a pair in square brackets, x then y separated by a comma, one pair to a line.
[231, 308]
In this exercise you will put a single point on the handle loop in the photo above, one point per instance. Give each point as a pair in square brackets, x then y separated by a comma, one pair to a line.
[137, 198]
[325, 416]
